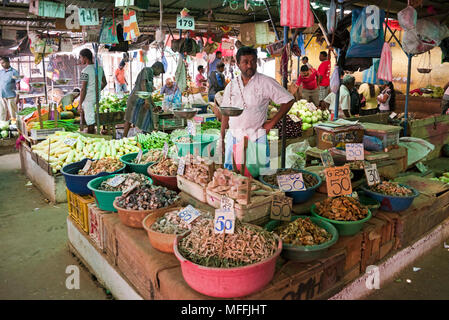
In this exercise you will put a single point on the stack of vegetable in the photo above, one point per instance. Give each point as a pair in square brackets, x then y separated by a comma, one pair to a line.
[428, 92]
[101, 165]
[302, 232]
[112, 103]
[67, 124]
[171, 223]
[147, 197]
[128, 180]
[154, 140]
[215, 124]
[62, 152]
[153, 155]
[157, 97]
[166, 167]
[444, 178]
[197, 169]
[8, 130]
[309, 114]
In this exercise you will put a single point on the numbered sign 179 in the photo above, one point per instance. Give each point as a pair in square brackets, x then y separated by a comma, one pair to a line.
[185, 23]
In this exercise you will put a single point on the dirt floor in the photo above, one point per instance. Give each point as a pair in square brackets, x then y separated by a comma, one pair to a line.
[33, 234]
[34, 254]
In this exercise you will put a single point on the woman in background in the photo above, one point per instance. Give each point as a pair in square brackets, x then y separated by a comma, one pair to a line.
[369, 92]
[387, 98]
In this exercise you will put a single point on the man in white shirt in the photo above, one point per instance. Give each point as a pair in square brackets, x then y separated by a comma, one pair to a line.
[253, 92]
[88, 92]
[344, 107]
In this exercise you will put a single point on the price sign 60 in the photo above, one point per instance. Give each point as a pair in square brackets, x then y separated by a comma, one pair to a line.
[338, 181]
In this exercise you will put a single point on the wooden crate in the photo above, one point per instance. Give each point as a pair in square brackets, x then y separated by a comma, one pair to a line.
[78, 209]
[352, 246]
[96, 225]
[191, 188]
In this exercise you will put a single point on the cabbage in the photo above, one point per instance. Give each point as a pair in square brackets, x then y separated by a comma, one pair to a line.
[4, 134]
[4, 125]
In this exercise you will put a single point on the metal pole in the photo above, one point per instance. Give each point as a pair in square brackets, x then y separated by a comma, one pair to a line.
[284, 120]
[407, 92]
[337, 95]
[271, 20]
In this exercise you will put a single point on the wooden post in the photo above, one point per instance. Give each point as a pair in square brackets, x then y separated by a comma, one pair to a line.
[248, 191]
[39, 113]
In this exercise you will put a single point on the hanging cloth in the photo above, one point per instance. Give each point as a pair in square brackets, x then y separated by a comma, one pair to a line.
[296, 14]
[181, 75]
[370, 75]
[385, 70]
[131, 29]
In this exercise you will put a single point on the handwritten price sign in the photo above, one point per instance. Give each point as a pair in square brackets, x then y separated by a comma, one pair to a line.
[291, 182]
[338, 181]
[281, 208]
[372, 175]
[165, 149]
[326, 159]
[355, 151]
[181, 167]
[227, 204]
[88, 16]
[191, 128]
[188, 214]
[139, 156]
[70, 141]
[116, 181]
[224, 221]
[185, 23]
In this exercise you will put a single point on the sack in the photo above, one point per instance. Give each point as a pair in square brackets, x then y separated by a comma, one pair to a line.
[275, 49]
[411, 43]
[428, 31]
[385, 70]
[370, 75]
[109, 32]
[361, 33]
[296, 14]
[331, 15]
[335, 80]
[292, 158]
[407, 18]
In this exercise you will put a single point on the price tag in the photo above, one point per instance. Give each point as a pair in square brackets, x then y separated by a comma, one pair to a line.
[227, 204]
[188, 214]
[372, 175]
[281, 208]
[191, 128]
[393, 115]
[224, 221]
[70, 141]
[326, 159]
[88, 16]
[185, 23]
[165, 149]
[116, 181]
[355, 151]
[181, 167]
[294, 118]
[87, 165]
[291, 182]
[139, 156]
[51, 9]
[131, 188]
[338, 181]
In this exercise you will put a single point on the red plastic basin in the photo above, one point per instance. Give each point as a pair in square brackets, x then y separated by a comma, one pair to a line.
[227, 282]
[170, 182]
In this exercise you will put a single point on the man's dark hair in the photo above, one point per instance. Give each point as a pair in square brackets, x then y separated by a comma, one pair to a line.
[245, 51]
[220, 65]
[324, 53]
[5, 59]
[305, 58]
[122, 63]
[159, 65]
[304, 68]
[76, 90]
[200, 67]
[87, 54]
[218, 52]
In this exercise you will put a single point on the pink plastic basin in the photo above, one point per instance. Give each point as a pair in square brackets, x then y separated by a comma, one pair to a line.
[228, 282]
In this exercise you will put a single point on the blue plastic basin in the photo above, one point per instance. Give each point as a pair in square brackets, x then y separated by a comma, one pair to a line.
[298, 196]
[391, 203]
[78, 184]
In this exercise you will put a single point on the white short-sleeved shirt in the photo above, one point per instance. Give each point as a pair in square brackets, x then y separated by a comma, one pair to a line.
[257, 94]
[345, 101]
[88, 74]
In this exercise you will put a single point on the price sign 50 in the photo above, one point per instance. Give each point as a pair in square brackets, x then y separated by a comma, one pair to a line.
[338, 181]
[224, 222]
[291, 182]
[354, 151]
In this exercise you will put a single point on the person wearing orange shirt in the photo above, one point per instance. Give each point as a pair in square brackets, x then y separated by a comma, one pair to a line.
[120, 80]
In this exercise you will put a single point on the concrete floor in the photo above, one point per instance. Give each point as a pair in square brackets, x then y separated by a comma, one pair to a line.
[33, 237]
[34, 254]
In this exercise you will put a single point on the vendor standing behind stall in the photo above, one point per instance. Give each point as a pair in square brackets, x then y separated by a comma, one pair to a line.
[308, 79]
[88, 92]
[8, 97]
[139, 111]
[216, 81]
[253, 92]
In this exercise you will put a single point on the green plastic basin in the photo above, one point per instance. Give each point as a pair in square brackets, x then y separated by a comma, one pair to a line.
[200, 143]
[105, 199]
[306, 253]
[133, 167]
[344, 228]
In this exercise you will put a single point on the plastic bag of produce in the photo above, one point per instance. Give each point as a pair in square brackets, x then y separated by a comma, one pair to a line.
[335, 80]
[295, 156]
[407, 18]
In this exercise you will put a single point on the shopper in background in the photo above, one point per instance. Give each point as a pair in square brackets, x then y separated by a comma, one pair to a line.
[170, 87]
[445, 100]
[8, 86]
[356, 102]
[369, 92]
[344, 106]
[68, 99]
[324, 71]
[216, 81]
[200, 80]
[305, 62]
[120, 79]
[308, 79]
[386, 98]
[213, 66]
[88, 92]
[139, 111]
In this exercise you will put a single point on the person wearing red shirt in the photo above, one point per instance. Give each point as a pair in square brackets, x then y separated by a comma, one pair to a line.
[324, 71]
[308, 79]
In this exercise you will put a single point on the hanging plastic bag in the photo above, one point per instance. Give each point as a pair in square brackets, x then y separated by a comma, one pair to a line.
[295, 155]
[296, 14]
[411, 43]
[370, 75]
[331, 17]
[364, 30]
[335, 80]
[428, 31]
[385, 71]
[109, 32]
[131, 29]
[407, 18]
